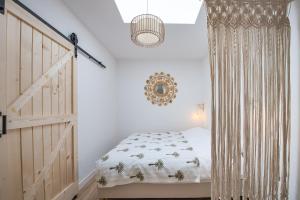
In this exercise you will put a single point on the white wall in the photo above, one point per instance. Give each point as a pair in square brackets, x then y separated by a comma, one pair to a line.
[135, 113]
[96, 87]
[295, 98]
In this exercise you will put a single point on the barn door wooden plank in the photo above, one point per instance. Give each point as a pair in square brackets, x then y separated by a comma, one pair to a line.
[72, 169]
[26, 80]
[75, 112]
[3, 42]
[32, 190]
[55, 127]
[13, 56]
[62, 111]
[27, 95]
[46, 112]
[14, 182]
[69, 109]
[37, 121]
[3, 140]
[37, 71]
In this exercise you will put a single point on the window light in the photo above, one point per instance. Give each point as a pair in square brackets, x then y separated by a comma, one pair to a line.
[170, 11]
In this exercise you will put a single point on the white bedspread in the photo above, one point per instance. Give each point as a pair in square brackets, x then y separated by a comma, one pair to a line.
[170, 157]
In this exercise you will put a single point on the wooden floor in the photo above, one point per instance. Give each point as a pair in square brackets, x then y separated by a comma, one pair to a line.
[90, 193]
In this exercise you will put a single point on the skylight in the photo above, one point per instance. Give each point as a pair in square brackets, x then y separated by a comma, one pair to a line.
[170, 11]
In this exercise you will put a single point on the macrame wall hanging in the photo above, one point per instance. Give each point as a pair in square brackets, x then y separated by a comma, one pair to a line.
[249, 43]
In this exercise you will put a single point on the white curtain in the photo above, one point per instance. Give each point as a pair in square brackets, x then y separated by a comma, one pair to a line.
[249, 45]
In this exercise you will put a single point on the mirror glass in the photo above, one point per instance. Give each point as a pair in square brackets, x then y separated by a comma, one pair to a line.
[161, 89]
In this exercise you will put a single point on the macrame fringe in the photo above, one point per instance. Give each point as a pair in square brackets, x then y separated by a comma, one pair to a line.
[250, 77]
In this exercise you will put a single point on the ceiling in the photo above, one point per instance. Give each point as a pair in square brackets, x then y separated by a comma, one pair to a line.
[102, 18]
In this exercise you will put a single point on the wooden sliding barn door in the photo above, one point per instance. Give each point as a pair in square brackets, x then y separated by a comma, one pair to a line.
[38, 155]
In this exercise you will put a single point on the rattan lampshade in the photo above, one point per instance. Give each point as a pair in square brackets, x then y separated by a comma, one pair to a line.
[147, 30]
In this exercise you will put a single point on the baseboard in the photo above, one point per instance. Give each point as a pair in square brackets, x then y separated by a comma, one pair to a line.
[88, 180]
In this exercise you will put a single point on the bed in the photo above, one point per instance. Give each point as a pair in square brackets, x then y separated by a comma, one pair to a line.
[157, 165]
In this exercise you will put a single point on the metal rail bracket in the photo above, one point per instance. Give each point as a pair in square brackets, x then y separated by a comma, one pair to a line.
[74, 39]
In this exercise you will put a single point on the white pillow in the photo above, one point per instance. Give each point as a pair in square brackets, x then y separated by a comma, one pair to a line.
[197, 130]
[199, 138]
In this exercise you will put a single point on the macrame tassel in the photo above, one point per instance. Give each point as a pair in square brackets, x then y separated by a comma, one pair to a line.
[250, 75]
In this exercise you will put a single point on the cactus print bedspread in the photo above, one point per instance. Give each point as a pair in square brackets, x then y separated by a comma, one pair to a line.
[168, 157]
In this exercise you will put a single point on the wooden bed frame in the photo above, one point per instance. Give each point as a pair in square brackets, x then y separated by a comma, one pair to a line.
[146, 190]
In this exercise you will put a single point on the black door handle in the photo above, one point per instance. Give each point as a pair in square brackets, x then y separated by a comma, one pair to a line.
[4, 124]
[1, 124]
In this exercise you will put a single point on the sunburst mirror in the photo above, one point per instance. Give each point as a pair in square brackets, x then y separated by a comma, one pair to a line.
[161, 89]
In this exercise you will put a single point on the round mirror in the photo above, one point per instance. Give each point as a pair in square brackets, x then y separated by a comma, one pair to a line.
[161, 89]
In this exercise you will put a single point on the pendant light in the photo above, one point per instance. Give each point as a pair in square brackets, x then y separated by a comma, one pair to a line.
[147, 30]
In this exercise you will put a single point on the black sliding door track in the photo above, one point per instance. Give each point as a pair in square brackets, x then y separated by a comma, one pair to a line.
[2, 6]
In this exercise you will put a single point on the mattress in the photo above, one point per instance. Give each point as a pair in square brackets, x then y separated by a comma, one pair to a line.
[157, 157]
